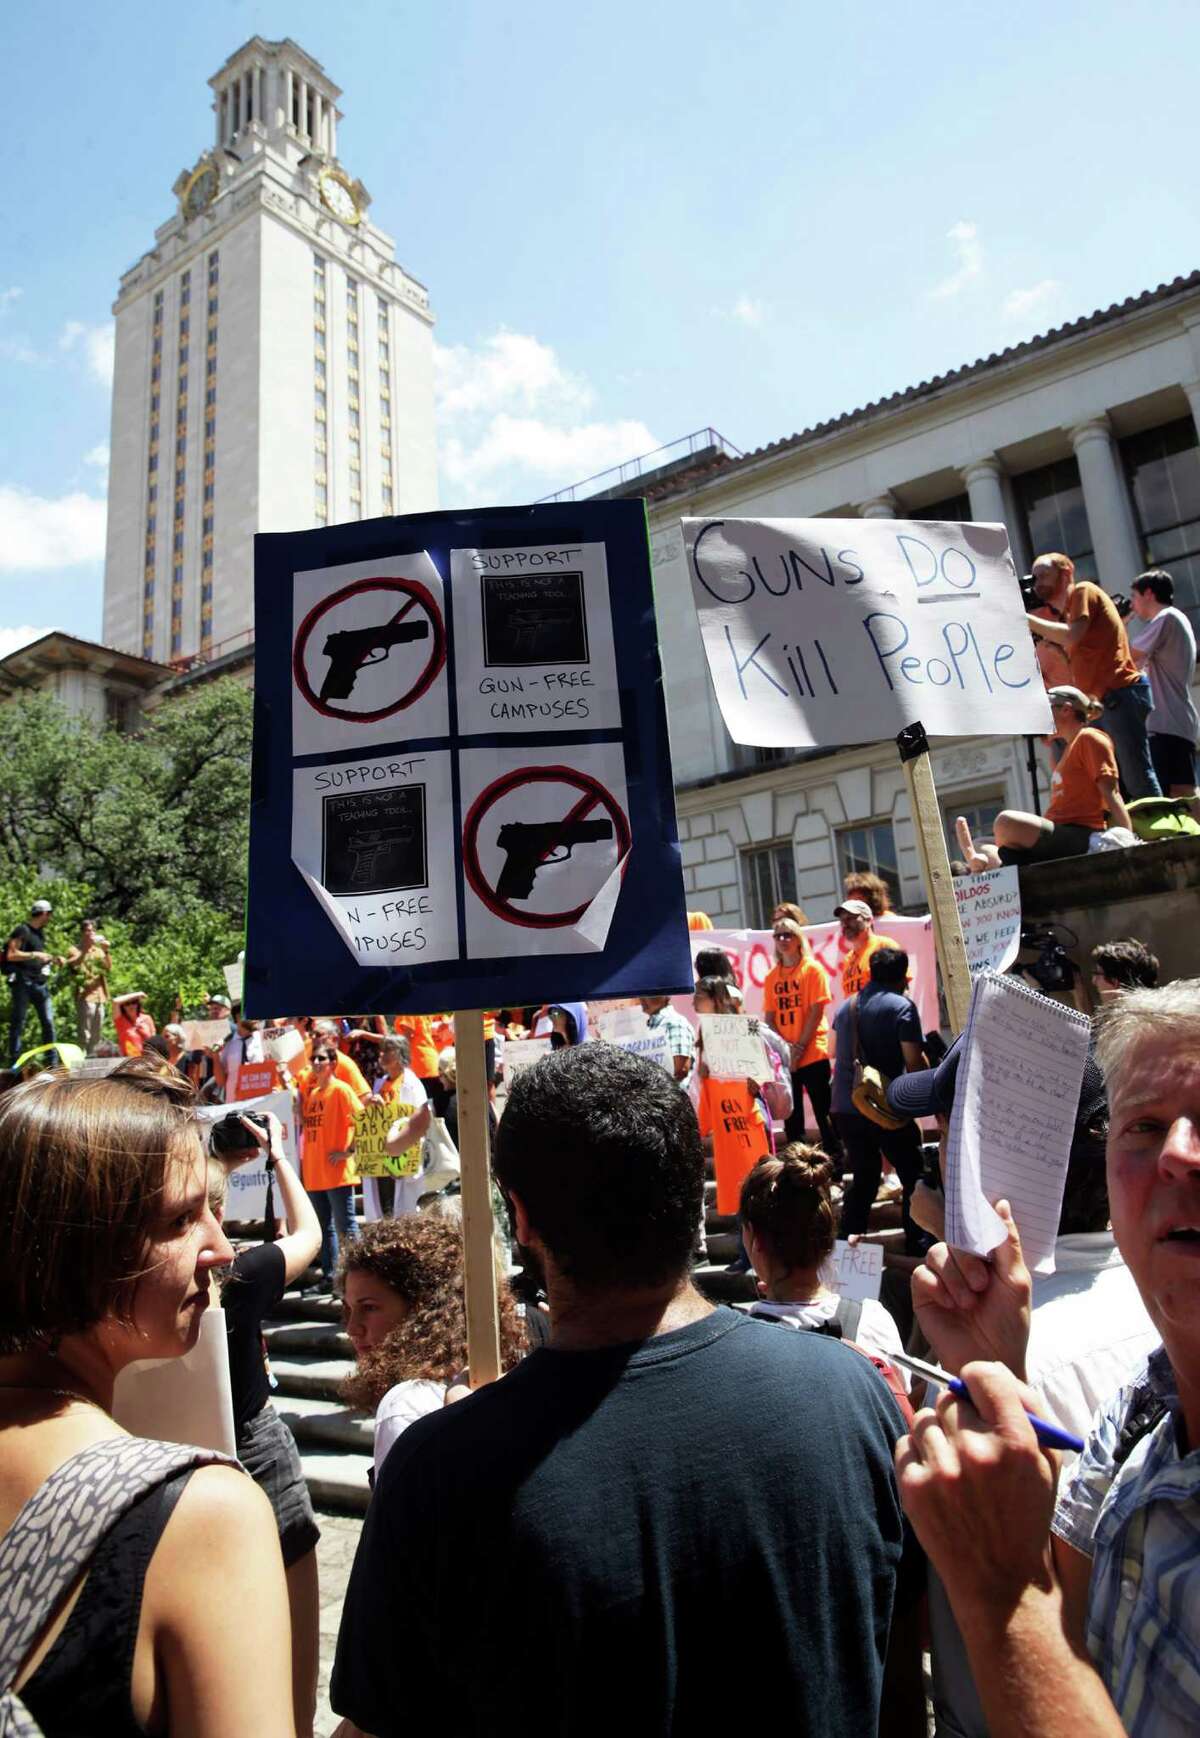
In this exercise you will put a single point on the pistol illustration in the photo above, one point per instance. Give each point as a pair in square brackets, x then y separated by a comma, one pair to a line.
[526, 843]
[370, 846]
[530, 627]
[352, 649]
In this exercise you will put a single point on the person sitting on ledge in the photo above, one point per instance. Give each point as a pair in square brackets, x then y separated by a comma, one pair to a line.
[1084, 788]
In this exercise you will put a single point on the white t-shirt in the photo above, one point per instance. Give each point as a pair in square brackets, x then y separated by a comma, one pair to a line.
[400, 1407]
[1090, 1331]
[876, 1331]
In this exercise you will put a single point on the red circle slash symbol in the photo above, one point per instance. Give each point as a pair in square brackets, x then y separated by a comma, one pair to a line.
[356, 649]
[593, 795]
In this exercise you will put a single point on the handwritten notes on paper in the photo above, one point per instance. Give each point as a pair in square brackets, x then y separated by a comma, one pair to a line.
[989, 909]
[1014, 1117]
[733, 1048]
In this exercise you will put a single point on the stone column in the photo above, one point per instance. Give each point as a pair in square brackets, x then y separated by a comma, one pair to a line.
[1192, 388]
[1109, 510]
[879, 507]
[304, 107]
[985, 486]
[288, 93]
[333, 129]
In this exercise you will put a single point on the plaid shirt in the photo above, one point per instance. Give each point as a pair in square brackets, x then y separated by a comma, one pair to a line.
[1140, 1524]
[679, 1030]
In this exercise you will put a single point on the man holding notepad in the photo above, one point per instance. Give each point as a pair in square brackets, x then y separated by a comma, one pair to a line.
[1080, 1608]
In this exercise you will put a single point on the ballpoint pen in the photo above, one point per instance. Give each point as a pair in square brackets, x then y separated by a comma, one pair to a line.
[1049, 1435]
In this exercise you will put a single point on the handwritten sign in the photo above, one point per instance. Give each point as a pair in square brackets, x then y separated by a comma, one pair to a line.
[832, 631]
[989, 909]
[1014, 1117]
[205, 1034]
[856, 1269]
[522, 1053]
[733, 1049]
[285, 1045]
[627, 1028]
[371, 1157]
[233, 980]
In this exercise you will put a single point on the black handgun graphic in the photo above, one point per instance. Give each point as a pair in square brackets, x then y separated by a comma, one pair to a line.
[351, 649]
[527, 842]
[530, 627]
[369, 846]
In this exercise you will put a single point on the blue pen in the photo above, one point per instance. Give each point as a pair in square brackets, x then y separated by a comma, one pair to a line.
[1049, 1435]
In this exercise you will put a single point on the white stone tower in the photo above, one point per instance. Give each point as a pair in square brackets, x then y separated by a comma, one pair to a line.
[274, 365]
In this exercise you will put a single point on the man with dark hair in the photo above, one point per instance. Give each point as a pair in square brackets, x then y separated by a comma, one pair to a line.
[882, 1024]
[27, 966]
[1164, 648]
[664, 1484]
[1123, 965]
[662, 1016]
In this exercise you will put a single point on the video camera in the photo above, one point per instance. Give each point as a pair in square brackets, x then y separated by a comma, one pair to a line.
[1029, 596]
[1053, 970]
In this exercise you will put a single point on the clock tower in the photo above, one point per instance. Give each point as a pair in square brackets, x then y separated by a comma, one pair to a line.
[274, 365]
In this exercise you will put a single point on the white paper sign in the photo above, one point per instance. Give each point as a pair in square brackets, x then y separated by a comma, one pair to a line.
[856, 1269]
[733, 1049]
[186, 1399]
[233, 979]
[820, 632]
[628, 1029]
[205, 1034]
[989, 908]
[282, 1044]
[522, 1053]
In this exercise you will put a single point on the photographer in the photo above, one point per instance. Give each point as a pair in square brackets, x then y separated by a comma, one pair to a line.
[27, 967]
[253, 1287]
[1092, 635]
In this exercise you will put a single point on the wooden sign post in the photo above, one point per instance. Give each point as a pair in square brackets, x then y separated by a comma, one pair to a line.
[935, 870]
[479, 1260]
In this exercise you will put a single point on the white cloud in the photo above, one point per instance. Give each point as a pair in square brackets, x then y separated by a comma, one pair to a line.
[513, 423]
[748, 311]
[98, 456]
[97, 345]
[968, 253]
[17, 350]
[12, 639]
[9, 296]
[1033, 304]
[39, 532]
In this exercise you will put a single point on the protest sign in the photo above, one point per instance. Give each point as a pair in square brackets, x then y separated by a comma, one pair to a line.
[629, 1029]
[250, 1080]
[989, 908]
[371, 1157]
[187, 1399]
[856, 1269]
[247, 1194]
[205, 1034]
[733, 1047]
[233, 980]
[520, 1053]
[284, 1045]
[95, 1067]
[1015, 1098]
[825, 632]
[460, 765]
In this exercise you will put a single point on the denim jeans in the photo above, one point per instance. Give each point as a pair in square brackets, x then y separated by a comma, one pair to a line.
[25, 996]
[335, 1210]
[1125, 713]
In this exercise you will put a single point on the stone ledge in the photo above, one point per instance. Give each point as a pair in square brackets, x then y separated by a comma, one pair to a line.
[1107, 877]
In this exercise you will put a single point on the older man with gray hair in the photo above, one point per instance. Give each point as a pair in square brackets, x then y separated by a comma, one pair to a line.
[1081, 1614]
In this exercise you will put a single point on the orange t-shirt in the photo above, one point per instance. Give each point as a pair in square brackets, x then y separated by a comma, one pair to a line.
[729, 1113]
[1102, 659]
[346, 1070]
[1053, 661]
[423, 1055]
[1074, 794]
[328, 1114]
[788, 998]
[856, 967]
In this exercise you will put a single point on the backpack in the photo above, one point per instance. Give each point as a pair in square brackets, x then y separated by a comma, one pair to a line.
[843, 1325]
[55, 1535]
[1157, 818]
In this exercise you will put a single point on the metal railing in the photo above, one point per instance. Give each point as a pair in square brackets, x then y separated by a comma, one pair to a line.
[673, 453]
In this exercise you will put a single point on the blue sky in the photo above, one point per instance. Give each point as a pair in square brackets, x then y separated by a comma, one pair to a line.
[634, 221]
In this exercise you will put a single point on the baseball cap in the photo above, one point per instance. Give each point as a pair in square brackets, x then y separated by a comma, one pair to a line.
[929, 1091]
[855, 907]
[219, 1002]
[38, 906]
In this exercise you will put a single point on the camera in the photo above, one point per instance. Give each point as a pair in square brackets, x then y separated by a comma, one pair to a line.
[229, 1135]
[1122, 604]
[1029, 596]
[1053, 970]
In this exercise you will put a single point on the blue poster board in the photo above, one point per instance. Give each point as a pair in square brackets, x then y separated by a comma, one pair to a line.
[461, 792]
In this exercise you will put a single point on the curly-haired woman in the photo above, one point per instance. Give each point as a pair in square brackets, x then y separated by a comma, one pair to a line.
[402, 1284]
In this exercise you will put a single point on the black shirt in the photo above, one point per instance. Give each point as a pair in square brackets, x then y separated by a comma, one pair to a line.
[29, 940]
[255, 1285]
[884, 1018]
[681, 1530]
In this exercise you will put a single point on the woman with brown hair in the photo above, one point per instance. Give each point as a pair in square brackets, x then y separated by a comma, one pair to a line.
[120, 1543]
[402, 1284]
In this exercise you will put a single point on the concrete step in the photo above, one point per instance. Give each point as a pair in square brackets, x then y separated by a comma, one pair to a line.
[294, 1308]
[304, 1376]
[285, 1338]
[723, 1246]
[320, 1423]
[338, 1480]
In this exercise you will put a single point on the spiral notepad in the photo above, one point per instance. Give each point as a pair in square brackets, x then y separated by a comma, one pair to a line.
[1015, 1101]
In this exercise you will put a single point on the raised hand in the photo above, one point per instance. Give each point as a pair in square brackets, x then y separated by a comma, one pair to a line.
[970, 1308]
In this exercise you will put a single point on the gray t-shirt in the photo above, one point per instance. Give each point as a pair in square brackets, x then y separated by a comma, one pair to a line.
[1169, 646]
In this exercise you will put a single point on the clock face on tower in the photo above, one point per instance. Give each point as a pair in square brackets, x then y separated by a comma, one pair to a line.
[338, 196]
[201, 189]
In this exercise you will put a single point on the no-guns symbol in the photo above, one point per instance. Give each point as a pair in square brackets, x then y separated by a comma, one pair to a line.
[531, 844]
[354, 649]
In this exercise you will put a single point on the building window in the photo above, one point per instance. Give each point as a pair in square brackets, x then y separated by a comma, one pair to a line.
[870, 850]
[954, 510]
[768, 879]
[1163, 467]
[1051, 503]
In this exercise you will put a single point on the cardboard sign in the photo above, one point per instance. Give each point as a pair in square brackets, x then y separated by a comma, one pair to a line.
[989, 909]
[822, 632]
[522, 1053]
[733, 1049]
[856, 1269]
[285, 1045]
[205, 1034]
[371, 1157]
[628, 1029]
[461, 752]
[233, 980]
[251, 1080]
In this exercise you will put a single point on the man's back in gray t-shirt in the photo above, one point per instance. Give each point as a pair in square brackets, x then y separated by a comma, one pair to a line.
[1169, 648]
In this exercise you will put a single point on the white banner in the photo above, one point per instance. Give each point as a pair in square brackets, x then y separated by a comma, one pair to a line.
[989, 909]
[821, 632]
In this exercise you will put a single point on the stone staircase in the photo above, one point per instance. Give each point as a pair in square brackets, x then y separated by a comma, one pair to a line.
[309, 1355]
